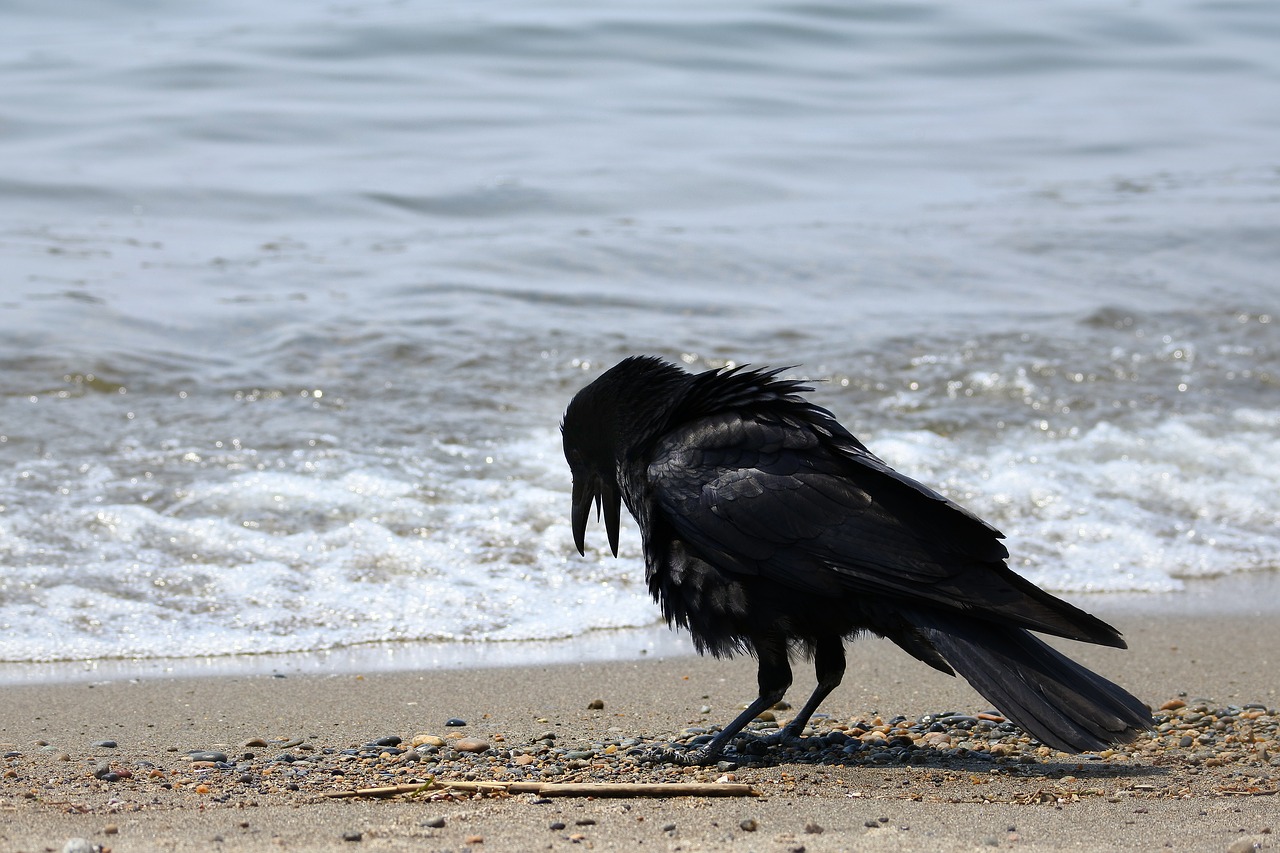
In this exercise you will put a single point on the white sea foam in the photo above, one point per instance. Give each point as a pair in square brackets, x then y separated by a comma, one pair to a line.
[1112, 508]
[268, 561]
[272, 562]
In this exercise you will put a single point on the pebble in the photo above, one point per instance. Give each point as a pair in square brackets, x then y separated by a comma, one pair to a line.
[104, 744]
[749, 825]
[79, 845]
[434, 823]
[1243, 845]
[207, 755]
[595, 705]
[467, 744]
[454, 722]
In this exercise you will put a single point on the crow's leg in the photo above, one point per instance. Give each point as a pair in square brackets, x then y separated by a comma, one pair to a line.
[828, 664]
[773, 677]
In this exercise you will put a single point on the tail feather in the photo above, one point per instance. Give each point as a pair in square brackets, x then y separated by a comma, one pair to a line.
[1052, 697]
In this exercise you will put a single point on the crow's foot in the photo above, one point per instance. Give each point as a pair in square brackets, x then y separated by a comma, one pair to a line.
[683, 757]
[758, 744]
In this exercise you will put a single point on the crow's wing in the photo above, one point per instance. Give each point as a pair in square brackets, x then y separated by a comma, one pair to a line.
[782, 497]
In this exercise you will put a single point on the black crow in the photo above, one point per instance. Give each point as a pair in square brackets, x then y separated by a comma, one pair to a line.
[767, 527]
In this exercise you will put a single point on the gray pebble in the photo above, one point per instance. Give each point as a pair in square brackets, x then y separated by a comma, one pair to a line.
[749, 825]
[79, 845]
[434, 823]
[207, 755]
[104, 744]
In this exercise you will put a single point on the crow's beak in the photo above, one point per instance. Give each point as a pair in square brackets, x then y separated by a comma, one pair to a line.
[608, 502]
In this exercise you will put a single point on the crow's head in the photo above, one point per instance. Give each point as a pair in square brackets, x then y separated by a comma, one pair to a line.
[607, 423]
[589, 434]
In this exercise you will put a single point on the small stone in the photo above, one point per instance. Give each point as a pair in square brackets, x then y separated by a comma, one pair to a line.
[671, 827]
[1243, 845]
[557, 826]
[525, 760]
[104, 744]
[389, 740]
[78, 845]
[434, 823]
[1173, 705]
[468, 744]
[110, 829]
[813, 828]
[454, 722]
[595, 705]
[256, 742]
[352, 836]
[749, 825]
[427, 740]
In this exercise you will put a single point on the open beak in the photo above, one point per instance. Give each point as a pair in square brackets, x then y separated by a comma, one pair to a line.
[608, 502]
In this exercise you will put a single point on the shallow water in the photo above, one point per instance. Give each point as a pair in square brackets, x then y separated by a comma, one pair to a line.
[292, 299]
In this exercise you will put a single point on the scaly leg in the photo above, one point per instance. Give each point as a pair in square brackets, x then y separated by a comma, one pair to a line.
[773, 677]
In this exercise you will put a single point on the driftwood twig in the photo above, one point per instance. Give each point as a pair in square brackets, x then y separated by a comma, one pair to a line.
[563, 789]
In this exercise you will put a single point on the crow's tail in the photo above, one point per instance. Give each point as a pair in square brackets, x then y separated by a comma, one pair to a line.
[1049, 695]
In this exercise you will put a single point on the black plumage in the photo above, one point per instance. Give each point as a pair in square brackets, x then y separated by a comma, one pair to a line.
[768, 527]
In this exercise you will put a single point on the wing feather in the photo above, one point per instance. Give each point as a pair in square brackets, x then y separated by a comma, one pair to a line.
[788, 499]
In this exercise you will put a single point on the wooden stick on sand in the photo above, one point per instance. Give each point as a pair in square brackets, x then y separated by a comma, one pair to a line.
[564, 789]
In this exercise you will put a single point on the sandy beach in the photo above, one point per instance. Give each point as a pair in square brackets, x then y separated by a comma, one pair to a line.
[149, 792]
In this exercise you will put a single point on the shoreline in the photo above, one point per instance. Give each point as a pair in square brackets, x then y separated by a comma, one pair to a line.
[284, 737]
[1255, 593]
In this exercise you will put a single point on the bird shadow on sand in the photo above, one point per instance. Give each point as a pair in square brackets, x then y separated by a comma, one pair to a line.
[928, 759]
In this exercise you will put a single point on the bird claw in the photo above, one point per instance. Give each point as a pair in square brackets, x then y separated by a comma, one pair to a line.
[684, 758]
[757, 744]
[745, 744]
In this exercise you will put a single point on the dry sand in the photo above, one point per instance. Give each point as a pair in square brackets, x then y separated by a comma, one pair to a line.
[1162, 799]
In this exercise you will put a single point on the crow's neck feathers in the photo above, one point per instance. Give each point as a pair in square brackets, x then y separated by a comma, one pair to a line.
[633, 404]
[760, 392]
